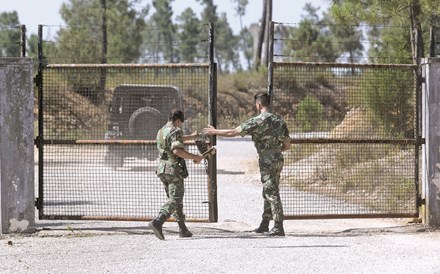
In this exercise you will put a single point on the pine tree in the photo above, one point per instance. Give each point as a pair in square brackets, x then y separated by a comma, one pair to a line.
[166, 30]
[311, 40]
[81, 42]
[9, 34]
[189, 36]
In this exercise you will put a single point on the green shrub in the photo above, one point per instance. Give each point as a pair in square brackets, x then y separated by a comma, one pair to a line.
[390, 96]
[310, 112]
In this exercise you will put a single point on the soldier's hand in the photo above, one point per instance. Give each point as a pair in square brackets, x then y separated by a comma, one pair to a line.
[197, 159]
[210, 130]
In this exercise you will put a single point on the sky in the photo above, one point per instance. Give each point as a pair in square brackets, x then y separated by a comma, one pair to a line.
[46, 12]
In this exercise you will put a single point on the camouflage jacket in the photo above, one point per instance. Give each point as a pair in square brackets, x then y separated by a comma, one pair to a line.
[268, 132]
[168, 138]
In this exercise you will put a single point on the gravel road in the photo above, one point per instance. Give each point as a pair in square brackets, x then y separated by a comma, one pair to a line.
[229, 246]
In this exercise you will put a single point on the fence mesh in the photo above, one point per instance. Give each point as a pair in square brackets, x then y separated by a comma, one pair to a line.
[85, 45]
[353, 131]
[100, 125]
[309, 41]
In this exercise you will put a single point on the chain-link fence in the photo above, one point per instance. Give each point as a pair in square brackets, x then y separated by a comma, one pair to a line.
[97, 138]
[354, 149]
[310, 41]
[355, 126]
[89, 45]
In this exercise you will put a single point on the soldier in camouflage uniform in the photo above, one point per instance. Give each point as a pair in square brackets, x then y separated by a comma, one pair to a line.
[172, 171]
[270, 135]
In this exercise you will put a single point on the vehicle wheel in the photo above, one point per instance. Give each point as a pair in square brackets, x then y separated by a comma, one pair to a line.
[145, 122]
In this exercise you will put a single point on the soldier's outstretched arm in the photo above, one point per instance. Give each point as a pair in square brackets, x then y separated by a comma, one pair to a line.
[191, 136]
[210, 130]
[187, 155]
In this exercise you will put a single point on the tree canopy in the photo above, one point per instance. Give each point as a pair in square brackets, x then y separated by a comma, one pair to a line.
[9, 34]
[394, 31]
[84, 19]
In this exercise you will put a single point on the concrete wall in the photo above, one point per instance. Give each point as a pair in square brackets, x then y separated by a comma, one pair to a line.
[17, 205]
[431, 133]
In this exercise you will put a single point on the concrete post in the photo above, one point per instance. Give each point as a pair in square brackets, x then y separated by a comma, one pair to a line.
[17, 205]
[431, 133]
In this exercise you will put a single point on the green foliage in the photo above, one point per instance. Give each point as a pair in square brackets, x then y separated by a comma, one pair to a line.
[246, 45]
[347, 37]
[9, 34]
[82, 41]
[246, 81]
[390, 45]
[390, 35]
[189, 36]
[311, 40]
[226, 42]
[166, 30]
[246, 41]
[310, 112]
[390, 96]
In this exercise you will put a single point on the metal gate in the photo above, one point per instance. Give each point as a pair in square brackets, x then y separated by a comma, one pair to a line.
[96, 139]
[356, 142]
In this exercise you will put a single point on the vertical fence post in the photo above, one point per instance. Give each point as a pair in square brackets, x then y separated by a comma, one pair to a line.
[212, 120]
[270, 63]
[431, 132]
[17, 193]
[432, 40]
[23, 41]
[417, 133]
[40, 137]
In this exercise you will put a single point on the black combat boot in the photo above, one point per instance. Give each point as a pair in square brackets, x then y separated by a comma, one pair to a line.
[277, 230]
[183, 230]
[264, 227]
[156, 226]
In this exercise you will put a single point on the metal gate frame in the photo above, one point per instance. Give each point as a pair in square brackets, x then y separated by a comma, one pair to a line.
[40, 141]
[417, 142]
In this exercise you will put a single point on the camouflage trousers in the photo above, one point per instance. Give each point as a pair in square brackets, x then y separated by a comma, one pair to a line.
[174, 188]
[270, 171]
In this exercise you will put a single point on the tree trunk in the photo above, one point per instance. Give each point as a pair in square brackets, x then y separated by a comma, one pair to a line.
[418, 53]
[257, 62]
[100, 92]
[265, 57]
[417, 45]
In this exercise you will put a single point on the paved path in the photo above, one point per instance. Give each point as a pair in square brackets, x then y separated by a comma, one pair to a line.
[229, 246]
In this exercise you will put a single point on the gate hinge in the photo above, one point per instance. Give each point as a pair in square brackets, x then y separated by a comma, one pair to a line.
[37, 141]
[421, 201]
[37, 80]
[37, 203]
[423, 80]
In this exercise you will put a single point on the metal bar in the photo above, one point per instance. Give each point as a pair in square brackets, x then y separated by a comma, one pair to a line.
[343, 65]
[174, 65]
[419, 141]
[23, 40]
[106, 142]
[112, 218]
[212, 120]
[352, 216]
[40, 137]
[357, 141]
[432, 38]
[270, 63]
[418, 92]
